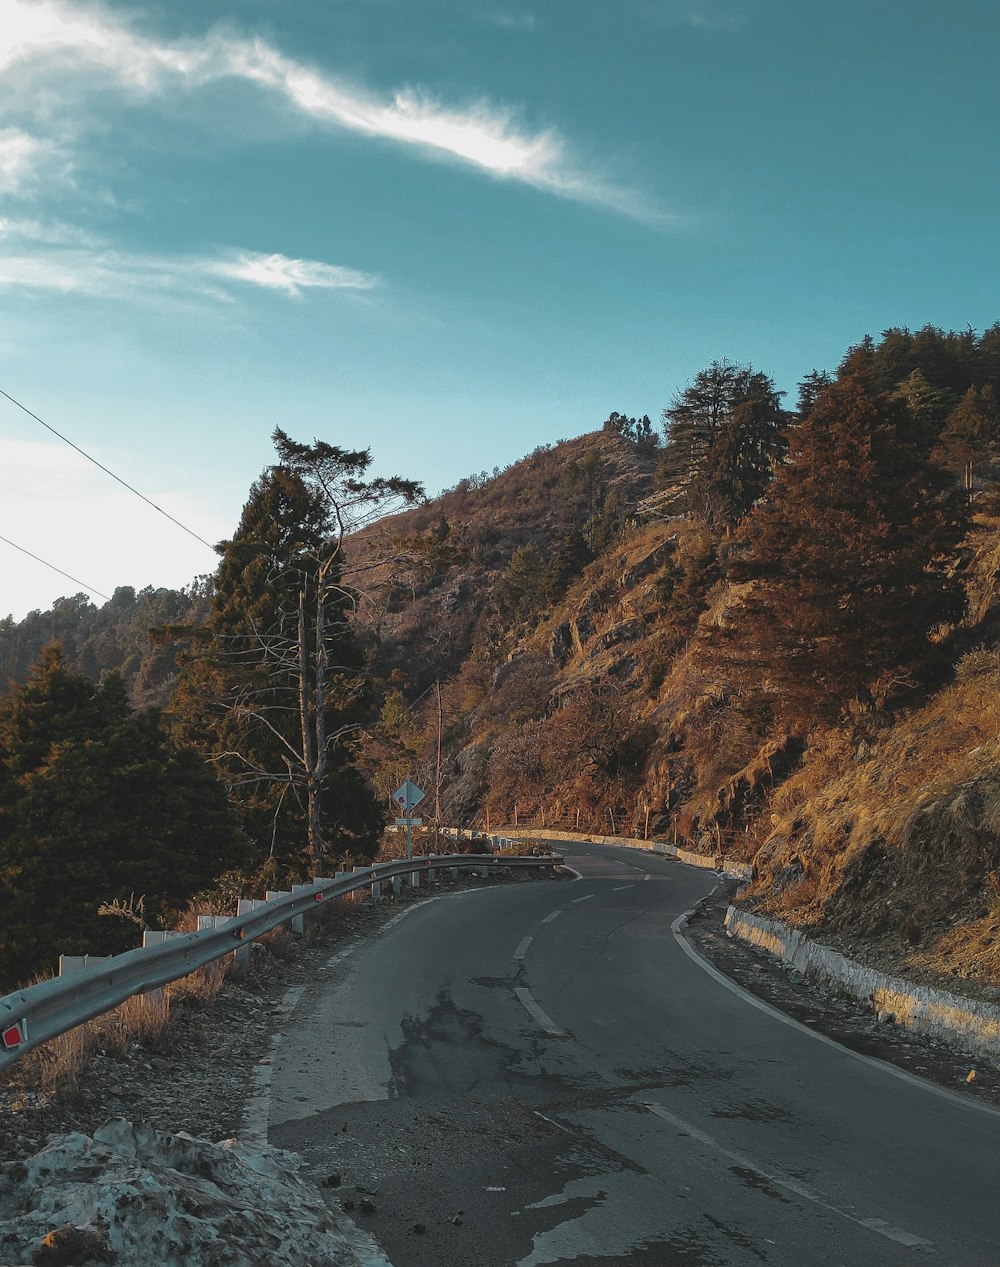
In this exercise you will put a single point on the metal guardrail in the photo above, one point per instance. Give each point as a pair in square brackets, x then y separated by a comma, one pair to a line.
[33, 1016]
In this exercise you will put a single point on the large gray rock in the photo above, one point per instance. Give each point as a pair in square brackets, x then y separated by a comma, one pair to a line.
[136, 1196]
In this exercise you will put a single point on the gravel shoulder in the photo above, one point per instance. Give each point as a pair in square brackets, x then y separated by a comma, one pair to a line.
[844, 1019]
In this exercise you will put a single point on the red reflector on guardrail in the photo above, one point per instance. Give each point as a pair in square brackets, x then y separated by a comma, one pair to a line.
[14, 1035]
[319, 897]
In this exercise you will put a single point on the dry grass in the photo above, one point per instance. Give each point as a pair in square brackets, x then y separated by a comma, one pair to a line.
[143, 1019]
[56, 1065]
[897, 833]
[983, 576]
[426, 840]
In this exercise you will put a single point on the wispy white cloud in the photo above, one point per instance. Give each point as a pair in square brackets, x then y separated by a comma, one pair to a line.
[43, 256]
[724, 16]
[510, 20]
[96, 47]
[23, 157]
[46, 233]
[278, 272]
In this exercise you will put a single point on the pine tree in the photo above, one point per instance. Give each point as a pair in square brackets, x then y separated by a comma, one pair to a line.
[276, 689]
[809, 390]
[851, 554]
[971, 433]
[725, 433]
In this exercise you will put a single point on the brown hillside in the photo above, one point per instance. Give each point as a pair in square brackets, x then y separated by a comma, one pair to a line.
[600, 707]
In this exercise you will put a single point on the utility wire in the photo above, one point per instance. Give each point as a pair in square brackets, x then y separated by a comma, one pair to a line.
[74, 579]
[124, 484]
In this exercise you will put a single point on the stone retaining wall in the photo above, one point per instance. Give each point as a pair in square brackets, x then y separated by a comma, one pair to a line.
[974, 1024]
[736, 870]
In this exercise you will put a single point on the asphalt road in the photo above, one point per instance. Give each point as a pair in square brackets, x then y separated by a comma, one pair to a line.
[542, 1073]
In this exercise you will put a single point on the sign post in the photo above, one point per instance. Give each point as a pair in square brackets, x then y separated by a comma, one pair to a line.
[407, 798]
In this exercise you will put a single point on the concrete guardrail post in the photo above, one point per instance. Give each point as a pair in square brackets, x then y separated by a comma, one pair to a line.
[157, 937]
[245, 906]
[79, 963]
[299, 921]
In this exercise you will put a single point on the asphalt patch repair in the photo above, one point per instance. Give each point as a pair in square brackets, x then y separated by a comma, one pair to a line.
[843, 1018]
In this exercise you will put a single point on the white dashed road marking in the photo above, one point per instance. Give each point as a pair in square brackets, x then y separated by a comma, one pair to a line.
[546, 1022]
[522, 947]
[879, 1226]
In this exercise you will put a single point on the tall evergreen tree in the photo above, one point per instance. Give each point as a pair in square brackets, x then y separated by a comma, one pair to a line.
[724, 434]
[809, 390]
[275, 690]
[971, 433]
[851, 554]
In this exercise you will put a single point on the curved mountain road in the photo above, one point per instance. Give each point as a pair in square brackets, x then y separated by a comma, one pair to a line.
[540, 1073]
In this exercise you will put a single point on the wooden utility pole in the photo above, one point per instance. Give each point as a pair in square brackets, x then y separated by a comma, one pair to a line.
[437, 777]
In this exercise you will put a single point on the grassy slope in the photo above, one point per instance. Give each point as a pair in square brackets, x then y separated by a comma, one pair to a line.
[886, 836]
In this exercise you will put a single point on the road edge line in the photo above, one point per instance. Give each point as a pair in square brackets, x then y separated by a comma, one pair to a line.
[677, 928]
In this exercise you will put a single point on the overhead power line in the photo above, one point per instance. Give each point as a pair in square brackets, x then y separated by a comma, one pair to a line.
[166, 514]
[74, 579]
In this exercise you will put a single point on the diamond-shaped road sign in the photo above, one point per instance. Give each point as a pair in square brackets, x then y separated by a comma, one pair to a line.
[408, 796]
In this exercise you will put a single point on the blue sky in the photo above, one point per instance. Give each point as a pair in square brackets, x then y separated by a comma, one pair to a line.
[448, 231]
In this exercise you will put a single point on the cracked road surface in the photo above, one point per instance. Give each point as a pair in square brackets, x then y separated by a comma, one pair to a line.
[539, 1073]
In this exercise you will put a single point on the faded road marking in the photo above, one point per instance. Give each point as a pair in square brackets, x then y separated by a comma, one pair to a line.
[622, 888]
[583, 899]
[257, 1110]
[879, 1226]
[522, 947]
[546, 1022]
[549, 918]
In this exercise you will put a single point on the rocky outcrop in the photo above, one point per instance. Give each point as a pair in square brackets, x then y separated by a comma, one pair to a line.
[146, 1198]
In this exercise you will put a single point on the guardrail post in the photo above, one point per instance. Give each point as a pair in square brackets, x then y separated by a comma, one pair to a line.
[299, 921]
[245, 906]
[397, 885]
[356, 895]
[453, 872]
[432, 871]
[376, 888]
[157, 937]
[78, 963]
[414, 879]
